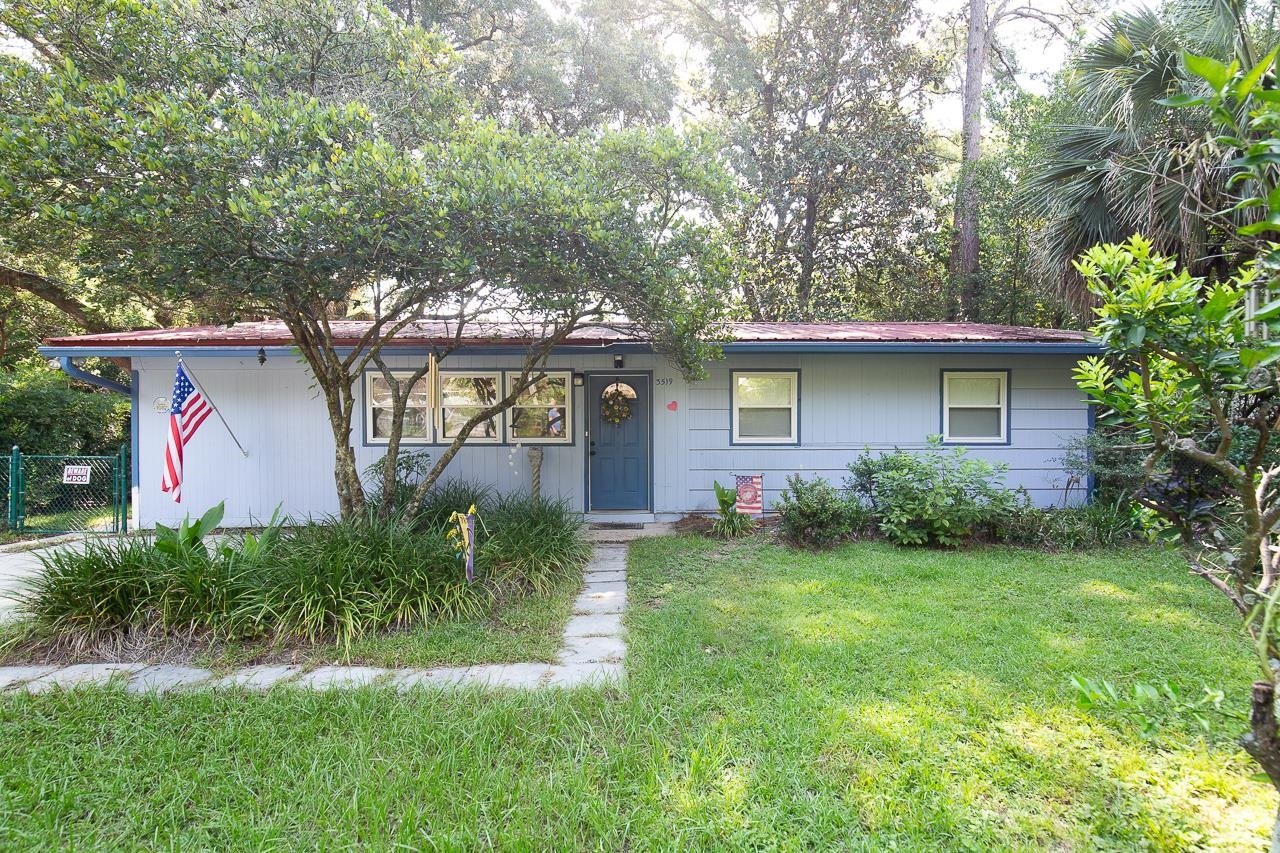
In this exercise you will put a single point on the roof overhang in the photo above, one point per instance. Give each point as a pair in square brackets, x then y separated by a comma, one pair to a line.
[761, 347]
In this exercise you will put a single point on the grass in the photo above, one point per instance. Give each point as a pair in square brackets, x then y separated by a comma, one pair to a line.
[516, 629]
[864, 698]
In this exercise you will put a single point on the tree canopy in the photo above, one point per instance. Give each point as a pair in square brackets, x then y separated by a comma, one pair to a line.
[286, 158]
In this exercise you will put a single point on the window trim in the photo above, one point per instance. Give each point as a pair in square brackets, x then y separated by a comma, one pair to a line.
[370, 440]
[567, 437]
[791, 441]
[1005, 375]
[438, 416]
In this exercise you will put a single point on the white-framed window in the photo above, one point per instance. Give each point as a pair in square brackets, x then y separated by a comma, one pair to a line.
[463, 394]
[765, 406]
[543, 414]
[975, 406]
[378, 405]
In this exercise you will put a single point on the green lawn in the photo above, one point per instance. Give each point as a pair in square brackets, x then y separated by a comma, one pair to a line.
[862, 699]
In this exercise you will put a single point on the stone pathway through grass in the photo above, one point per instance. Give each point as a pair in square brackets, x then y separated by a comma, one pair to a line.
[592, 653]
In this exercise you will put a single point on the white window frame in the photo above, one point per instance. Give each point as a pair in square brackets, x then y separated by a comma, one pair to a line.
[1003, 376]
[567, 437]
[474, 438]
[794, 437]
[370, 376]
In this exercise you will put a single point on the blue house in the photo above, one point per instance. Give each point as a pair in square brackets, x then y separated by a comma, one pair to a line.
[623, 436]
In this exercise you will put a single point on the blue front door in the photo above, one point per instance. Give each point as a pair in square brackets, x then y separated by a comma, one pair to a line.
[618, 420]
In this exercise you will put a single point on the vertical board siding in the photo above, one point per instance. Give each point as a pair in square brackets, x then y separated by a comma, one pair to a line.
[848, 402]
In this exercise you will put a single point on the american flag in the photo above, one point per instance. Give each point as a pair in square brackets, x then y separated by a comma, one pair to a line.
[187, 410]
[750, 493]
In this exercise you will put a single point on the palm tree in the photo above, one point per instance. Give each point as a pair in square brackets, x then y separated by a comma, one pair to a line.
[1120, 162]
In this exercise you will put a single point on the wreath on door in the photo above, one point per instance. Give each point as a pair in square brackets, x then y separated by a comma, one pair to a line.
[615, 406]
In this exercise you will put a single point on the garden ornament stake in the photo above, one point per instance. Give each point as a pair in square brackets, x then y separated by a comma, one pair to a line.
[462, 534]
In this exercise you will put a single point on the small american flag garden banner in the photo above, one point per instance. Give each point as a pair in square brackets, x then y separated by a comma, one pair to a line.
[750, 493]
[188, 409]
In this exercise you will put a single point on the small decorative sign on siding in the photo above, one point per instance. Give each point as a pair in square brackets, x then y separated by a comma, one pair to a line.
[76, 475]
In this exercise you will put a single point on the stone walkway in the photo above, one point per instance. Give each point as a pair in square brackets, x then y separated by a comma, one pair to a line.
[592, 654]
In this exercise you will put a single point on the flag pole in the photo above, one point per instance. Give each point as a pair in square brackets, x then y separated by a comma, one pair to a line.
[212, 404]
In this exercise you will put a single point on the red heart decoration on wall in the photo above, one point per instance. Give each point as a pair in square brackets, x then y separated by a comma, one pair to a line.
[672, 406]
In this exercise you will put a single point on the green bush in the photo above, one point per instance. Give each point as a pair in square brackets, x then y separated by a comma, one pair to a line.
[813, 513]
[931, 496]
[43, 413]
[411, 467]
[332, 580]
[1096, 525]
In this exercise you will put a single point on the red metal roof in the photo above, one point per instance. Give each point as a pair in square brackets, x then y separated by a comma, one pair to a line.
[348, 332]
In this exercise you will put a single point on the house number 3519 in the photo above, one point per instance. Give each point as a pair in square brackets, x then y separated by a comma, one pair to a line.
[665, 380]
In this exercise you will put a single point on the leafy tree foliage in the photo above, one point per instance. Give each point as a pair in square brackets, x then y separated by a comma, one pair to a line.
[281, 157]
[1123, 161]
[820, 103]
[41, 412]
[1193, 375]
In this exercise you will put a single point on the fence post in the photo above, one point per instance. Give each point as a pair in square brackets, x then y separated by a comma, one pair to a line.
[126, 488]
[15, 472]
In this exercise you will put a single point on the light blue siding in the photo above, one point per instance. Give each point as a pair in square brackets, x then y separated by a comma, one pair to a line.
[848, 402]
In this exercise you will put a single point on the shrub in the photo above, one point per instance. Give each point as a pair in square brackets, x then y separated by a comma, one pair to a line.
[931, 496]
[729, 523]
[411, 467]
[1095, 525]
[813, 512]
[43, 413]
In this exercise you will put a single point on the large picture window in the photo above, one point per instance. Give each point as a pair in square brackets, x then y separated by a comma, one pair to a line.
[379, 405]
[543, 413]
[462, 397]
[765, 407]
[975, 406]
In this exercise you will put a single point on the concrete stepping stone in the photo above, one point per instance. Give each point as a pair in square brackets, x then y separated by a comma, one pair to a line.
[523, 675]
[594, 625]
[82, 675]
[593, 587]
[12, 676]
[609, 649]
[600, 602]
[444, 676]
[596, 577]
[329, 677]
[584, 674]
[163, 678]
[258, 677]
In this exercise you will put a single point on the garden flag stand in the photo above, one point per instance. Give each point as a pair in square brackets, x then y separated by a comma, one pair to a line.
[189, 407]
[750, 489]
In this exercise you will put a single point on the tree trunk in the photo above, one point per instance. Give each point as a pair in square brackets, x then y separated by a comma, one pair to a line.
[965, 242]
[1263, 742]
[53, 293]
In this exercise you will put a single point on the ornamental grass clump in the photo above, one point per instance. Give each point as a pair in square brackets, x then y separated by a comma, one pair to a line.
[531, 542]
[331, 580]
[342, 580]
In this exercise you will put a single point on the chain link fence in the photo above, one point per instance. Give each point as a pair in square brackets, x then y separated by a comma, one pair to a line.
[64, 494]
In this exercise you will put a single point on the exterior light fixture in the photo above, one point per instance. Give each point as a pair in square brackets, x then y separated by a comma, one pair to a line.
[262, 355]
[618, 362]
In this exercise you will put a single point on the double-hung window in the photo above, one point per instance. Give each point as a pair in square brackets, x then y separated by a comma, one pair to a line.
[543, 413]
[975, 406]
[463, 395]
[765, 407]
[379, 405]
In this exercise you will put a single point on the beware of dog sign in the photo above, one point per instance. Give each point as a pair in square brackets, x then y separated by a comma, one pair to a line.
[75, 475]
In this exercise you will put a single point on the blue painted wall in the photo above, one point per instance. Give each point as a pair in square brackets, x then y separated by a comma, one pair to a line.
[848, 401]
